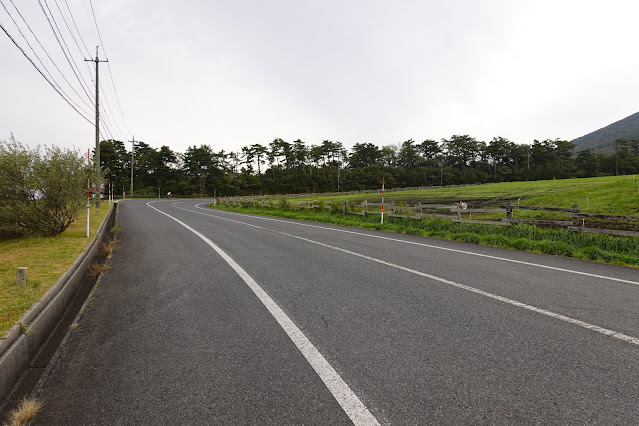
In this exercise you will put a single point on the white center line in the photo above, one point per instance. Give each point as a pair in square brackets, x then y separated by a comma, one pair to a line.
[583, 324]
[350, 403]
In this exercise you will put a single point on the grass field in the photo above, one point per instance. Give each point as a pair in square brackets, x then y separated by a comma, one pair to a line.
[611, 195]
[46, 258]
[607, 195]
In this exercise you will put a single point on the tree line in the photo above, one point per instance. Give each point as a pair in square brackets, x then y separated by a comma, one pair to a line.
[297, 167]
[42, 190]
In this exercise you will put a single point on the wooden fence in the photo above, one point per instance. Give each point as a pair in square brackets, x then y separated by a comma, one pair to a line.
[627, 226]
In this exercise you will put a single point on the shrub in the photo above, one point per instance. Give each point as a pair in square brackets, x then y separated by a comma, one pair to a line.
[40, 192]
[283, 204]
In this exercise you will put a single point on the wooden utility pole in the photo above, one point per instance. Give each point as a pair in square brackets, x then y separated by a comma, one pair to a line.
[132, 164]
[97, 125]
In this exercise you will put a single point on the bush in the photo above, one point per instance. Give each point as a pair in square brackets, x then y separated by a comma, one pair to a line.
[40, 192]
[283, 204]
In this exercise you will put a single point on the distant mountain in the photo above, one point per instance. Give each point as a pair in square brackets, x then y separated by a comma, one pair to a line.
[603, 140]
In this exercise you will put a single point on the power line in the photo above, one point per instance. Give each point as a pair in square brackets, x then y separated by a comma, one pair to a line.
[46, 52]
[98, 29]
[111, 124]
[95, 21]
[117, 98]
[108, 107]
[42, 74]
[76, 28]
[68, 27]
[83, 83]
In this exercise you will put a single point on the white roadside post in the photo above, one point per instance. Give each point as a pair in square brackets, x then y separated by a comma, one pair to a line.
[383, 182]
[88, 206]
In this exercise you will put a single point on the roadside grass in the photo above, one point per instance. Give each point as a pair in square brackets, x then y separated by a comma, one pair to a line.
[24, 413]
[46, 258]
[560, 242]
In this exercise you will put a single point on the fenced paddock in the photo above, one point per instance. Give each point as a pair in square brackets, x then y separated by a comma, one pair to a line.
[574, 220]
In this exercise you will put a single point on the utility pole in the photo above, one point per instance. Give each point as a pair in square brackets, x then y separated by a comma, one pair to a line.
[132, 164]
[97, 124]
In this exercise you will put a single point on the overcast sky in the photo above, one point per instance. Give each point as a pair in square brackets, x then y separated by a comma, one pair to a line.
[234, 73]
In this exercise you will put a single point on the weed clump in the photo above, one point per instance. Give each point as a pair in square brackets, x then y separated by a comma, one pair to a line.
[25, 412]
[98, 268]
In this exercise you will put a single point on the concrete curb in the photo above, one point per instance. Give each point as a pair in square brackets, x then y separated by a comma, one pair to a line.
[18, 348]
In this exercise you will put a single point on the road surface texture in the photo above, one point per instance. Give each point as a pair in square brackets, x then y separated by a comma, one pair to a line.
[212, 317]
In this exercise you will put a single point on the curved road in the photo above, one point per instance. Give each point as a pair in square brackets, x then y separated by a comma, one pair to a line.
[210, 317]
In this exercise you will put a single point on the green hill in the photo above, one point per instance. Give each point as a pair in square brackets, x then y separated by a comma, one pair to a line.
[603, 140]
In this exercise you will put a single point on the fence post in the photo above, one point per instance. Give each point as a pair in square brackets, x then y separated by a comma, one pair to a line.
[21, 275]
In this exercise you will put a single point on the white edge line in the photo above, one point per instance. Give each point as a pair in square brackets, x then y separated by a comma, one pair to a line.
[554, 268]
[574, 321]
[350, 403]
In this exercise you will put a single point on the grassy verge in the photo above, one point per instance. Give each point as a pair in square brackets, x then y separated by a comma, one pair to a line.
[46, 258]
[561, 242]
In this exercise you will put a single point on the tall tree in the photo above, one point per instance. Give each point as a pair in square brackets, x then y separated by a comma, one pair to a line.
[114, 162]
[260, 153]
[407, 156]
[429, 149]
[300, 154]
[198, 161]
[500, 151]
[364, 155]
[462, 150]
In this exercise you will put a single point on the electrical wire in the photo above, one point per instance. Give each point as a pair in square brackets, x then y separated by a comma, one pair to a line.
[108, 107]
[76, 28]
[95, 21]
[111, 125]
[42, 74]
[62, 45]
[68, 27]
[46, 52]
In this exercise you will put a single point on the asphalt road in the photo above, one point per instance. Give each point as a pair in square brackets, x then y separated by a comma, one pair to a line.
[211, 317]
